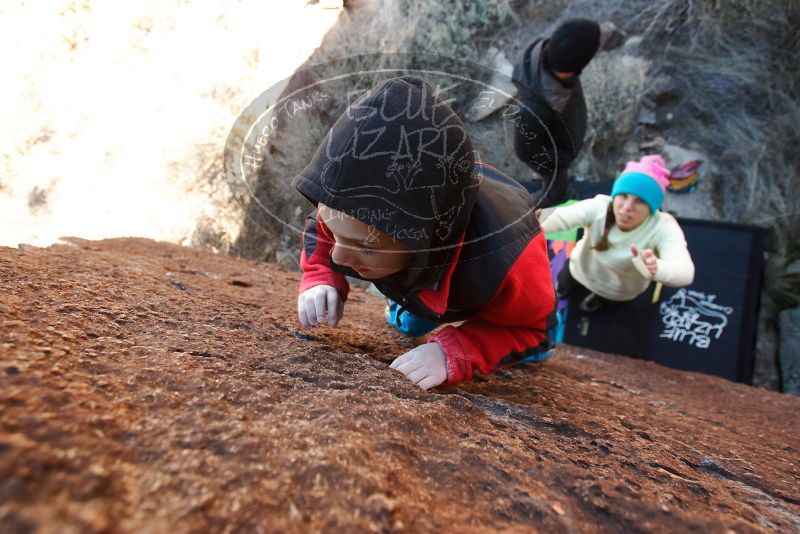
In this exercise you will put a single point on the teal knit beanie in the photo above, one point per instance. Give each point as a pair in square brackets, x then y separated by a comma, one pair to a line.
[646, 178]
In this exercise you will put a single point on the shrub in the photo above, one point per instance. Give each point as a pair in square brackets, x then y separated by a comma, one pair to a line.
[614, 85]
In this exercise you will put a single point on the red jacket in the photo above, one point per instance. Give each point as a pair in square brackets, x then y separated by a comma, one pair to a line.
[510, 327]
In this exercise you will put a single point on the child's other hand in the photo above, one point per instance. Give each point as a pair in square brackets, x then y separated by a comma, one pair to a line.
[320, 304]
[648, 257]
[425, 366]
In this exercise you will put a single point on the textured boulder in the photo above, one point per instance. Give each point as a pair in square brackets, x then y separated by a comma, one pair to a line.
[790, 350]
[146, 387]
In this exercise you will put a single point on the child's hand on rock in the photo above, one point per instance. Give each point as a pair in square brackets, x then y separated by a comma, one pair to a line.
[425, 366]
[320, 304]
[648, 257]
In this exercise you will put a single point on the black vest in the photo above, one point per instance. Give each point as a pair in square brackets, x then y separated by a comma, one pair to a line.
[501, 226]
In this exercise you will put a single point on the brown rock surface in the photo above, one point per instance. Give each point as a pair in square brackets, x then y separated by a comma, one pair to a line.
[146, 387]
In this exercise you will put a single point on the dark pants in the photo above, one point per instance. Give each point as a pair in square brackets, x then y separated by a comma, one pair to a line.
[539, 157]
[554, 189]
[567, 284]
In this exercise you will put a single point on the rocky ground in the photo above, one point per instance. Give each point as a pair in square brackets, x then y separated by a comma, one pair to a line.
[149, 387]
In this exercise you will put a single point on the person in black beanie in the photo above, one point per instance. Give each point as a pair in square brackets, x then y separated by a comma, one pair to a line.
[550, 124]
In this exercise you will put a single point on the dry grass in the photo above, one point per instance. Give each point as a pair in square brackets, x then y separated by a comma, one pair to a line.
[615, 84]
[747, 86]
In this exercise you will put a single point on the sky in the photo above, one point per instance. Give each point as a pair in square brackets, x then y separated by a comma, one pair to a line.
[115, 114]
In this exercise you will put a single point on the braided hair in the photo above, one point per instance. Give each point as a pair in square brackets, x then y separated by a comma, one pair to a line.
[611, 220]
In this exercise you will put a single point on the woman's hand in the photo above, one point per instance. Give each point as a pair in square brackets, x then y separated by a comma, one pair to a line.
[648, 257]
[425, 366]
[318, 305]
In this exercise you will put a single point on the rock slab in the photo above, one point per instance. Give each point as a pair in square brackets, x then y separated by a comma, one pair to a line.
[146, 387]
[789, 321]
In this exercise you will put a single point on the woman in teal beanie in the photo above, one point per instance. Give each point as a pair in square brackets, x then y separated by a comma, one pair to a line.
[627, 240]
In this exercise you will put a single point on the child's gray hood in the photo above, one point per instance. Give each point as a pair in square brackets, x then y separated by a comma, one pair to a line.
[399, 159]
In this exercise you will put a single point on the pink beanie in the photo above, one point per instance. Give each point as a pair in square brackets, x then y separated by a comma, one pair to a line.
[653, 166]
[646, 178]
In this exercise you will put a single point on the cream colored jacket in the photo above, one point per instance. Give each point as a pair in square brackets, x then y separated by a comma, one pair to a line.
[611, 273]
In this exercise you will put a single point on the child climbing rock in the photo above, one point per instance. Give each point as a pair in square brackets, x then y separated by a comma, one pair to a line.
[627, 241]
[403, 202]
